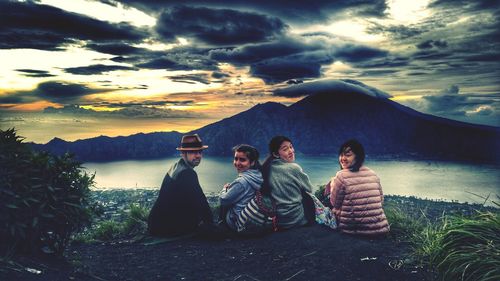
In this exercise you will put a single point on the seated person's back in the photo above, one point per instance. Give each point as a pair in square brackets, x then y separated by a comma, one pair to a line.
[181, 205]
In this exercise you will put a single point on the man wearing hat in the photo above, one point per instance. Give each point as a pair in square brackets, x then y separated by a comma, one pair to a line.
[181, 207]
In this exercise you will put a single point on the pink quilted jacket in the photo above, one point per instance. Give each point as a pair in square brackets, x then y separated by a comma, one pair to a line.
[357, 202]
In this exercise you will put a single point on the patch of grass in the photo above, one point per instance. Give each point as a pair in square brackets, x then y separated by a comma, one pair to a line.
[470, 248]
[453, 244]
[403, 224]
[455, 247]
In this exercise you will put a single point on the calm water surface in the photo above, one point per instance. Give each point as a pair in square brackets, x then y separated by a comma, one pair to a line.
[425, 179]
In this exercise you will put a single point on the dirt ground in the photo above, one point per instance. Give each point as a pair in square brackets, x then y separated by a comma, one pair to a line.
[307, 253]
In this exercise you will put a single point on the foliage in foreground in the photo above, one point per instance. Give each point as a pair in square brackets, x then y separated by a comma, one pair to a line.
[470, 248]
[43, 198]
[455, 247]
[134, 226]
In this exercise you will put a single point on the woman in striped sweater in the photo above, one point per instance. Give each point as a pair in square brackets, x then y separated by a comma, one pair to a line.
[235, 196]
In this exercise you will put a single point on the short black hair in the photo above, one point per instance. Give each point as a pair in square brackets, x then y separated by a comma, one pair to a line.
[358, 150]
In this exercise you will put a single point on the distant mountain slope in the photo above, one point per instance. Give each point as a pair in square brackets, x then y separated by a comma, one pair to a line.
[138, 146]
[317, 125]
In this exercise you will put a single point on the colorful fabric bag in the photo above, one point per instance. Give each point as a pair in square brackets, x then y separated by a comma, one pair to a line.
[323, 214]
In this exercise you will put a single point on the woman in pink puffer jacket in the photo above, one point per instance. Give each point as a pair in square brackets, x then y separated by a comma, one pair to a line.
[356, 194]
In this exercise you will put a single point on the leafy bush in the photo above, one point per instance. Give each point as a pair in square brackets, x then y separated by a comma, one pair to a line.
[105, 230]
[136, 222]
[133, 227]
[43, 198]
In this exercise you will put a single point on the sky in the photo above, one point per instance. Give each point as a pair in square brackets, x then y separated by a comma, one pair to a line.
[81, 68]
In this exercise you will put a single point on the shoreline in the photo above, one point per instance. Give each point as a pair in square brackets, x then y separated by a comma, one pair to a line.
[119, 200]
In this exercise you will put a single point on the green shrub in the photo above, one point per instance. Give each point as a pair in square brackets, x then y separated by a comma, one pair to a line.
[106, 230]
[43, 198]
[136, 222]
[133, 227]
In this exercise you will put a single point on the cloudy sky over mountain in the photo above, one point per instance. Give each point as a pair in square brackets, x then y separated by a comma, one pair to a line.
[121, 67]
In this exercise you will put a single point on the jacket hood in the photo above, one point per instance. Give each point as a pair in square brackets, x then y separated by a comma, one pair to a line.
[253, 177]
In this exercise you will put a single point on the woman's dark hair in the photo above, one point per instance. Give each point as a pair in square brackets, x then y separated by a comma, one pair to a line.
[274, 147]
[357, 149]
[251, 152]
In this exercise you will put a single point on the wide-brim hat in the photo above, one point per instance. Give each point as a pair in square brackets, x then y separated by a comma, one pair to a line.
[191, 142]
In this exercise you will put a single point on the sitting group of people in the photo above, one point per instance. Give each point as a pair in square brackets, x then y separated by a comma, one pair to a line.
[355, 194]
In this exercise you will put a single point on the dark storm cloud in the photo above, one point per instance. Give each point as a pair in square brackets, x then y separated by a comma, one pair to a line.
[62, 92]
[54, 91]
[294, 57]
[96, 69]
[252, 53]
[379, 72]
[384, 62]
[447, 104]
[465, 4]
[294, 81]
[397, 32]
[118, 49]
[136, 111]
[35, 73]
[219, 75]
[355, 53]
[122, 59]
[432, 43]
[489, 56]
[217, 26]
[468, 107]
[279, 70]
[162, 63]
[30, 25]
[141, 103]
[179, 58]
[12, 99]
[431, 55]
[154, 112]
[330, 86]
[191, 78]
[449, 101]
[292, 11]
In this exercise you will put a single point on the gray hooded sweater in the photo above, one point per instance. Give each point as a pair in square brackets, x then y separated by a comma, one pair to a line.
[239, 193]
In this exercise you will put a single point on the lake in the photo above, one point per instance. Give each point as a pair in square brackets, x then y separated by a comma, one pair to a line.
[425, 179]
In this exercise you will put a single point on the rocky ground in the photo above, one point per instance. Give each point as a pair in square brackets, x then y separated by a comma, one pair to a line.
[306, 253]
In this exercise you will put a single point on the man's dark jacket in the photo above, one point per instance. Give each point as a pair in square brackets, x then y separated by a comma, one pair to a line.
[181, 204]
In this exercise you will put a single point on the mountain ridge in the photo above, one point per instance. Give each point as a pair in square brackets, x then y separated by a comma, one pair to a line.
[317, 125]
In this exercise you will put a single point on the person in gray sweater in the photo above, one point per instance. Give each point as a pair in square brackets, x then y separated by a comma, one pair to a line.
[286, 182]
[235, 195]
